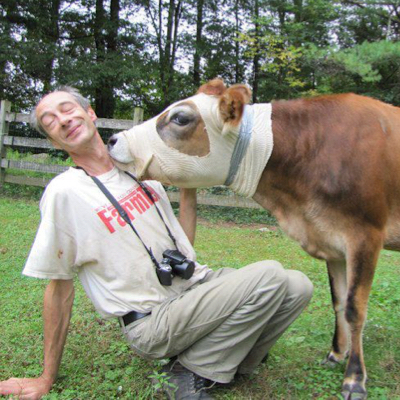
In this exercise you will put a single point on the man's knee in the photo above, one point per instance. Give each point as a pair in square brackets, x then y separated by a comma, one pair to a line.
[299, 286]
[269, 272]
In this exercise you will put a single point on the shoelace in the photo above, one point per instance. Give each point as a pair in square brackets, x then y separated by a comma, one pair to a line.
[200, 383]
[197, 382]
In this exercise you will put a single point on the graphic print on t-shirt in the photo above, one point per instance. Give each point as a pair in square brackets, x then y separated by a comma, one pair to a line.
[134, 202]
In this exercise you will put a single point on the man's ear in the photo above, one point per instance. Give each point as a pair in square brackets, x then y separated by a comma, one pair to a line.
[231, 105]
[91, 113]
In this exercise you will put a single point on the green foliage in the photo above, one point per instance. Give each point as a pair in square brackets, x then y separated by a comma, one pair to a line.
[21, 191]
[140, 57]
[56, 157]
[371, 69]
[161, 381]
[278, 58]
[236, 215]
[369, 59]
[123, 54]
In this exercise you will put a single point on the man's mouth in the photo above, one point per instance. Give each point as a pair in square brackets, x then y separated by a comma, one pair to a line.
[73, 131]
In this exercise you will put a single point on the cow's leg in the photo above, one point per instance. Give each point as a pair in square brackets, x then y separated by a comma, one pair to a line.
[362, 256]
[338, 283]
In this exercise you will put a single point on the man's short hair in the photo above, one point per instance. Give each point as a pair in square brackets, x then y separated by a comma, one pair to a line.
[82, 101]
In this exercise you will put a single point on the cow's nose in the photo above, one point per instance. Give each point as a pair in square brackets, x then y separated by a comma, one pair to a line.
[112, 141]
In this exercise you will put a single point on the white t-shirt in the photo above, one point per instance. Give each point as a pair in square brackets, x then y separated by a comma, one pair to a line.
[82, 233]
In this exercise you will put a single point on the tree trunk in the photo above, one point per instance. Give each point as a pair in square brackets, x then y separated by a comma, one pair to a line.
[53, 32]
[112, 49]
[281, 14]
[298, 11]
[198, 44]
[100, 54]
[237, 44]
[177, 17]
[112, 39]
[167, 59]
[106, 45]
[256, 59]
[5, 46]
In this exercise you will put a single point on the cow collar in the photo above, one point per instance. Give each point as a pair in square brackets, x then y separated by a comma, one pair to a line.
[242, 143]
[252, 150]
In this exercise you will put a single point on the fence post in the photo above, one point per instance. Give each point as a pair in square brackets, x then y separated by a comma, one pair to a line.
[4, 127]
[137, 115]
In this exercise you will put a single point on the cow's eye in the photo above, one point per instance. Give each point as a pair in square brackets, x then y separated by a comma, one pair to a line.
[180, 119]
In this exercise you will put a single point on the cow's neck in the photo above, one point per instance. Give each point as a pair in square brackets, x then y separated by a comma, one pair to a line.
[257, 153]
[281, 175]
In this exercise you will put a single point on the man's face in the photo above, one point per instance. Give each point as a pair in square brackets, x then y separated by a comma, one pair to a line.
[66, 123]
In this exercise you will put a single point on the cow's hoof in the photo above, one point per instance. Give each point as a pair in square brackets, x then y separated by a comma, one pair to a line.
[332, 360]
[329, 363]
[353, 395]
[354, 391]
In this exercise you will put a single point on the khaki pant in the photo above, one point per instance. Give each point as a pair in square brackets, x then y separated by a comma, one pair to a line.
[227, 323]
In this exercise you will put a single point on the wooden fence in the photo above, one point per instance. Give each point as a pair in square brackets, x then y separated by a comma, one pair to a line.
[9, 141]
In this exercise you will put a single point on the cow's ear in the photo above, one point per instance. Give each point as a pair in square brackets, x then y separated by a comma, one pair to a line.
[214, 88]
[231, 105]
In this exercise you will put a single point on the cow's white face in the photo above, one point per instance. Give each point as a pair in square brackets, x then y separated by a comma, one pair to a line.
[189, 144]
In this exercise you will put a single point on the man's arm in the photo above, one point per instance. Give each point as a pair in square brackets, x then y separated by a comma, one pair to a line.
[188, 212]
[57, 307]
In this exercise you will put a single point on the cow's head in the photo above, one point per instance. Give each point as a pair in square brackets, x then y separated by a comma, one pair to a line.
[189, 144]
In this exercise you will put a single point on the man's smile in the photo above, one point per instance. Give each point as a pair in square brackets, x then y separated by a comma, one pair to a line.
[73, 131]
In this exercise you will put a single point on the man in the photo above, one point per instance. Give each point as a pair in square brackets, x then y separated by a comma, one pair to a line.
[213, 325]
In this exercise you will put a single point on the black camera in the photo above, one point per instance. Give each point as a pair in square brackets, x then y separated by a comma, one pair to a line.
[174, 263]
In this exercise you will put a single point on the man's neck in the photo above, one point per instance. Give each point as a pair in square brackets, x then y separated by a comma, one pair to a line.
[95, 166]
[95, 160]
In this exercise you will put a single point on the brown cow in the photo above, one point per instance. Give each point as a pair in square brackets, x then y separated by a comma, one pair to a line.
[331, 177]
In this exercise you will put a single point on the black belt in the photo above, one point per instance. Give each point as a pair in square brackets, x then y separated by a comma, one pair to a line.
[133, 316]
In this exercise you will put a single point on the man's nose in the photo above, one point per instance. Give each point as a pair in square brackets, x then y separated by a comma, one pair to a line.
[64, 119]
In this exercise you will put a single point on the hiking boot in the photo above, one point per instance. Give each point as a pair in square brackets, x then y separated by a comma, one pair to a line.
[265, 359]
[184, 384]
[239, 376]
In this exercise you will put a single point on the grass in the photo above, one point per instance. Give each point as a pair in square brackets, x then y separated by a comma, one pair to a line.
[98, 364]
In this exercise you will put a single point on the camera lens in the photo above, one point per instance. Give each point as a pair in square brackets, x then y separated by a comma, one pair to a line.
[184, 270]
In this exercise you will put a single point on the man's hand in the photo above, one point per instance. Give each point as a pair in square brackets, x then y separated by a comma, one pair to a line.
[25, 388]
[58, 300]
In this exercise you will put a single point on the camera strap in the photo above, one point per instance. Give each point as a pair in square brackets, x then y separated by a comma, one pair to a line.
[124, 214]
[148, 193]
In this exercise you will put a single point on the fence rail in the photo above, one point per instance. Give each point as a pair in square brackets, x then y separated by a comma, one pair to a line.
[26, 142]
[9, 141]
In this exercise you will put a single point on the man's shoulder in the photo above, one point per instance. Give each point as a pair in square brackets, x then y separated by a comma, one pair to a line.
[63, 185]
[156, 187]
[154, 184]
[64, 181]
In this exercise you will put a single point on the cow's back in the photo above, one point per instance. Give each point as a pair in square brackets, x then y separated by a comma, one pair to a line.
[335, 157]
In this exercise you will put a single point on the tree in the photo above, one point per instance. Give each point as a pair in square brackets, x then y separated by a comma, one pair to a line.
[31, 61]
[165, 17]
[151, 53]
[198, 47]
[105, 31]
[375, 19]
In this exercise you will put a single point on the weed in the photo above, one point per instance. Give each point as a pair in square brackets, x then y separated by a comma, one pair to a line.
[161, 381]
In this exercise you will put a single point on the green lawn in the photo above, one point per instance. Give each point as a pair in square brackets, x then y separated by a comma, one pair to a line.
[98, 364]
